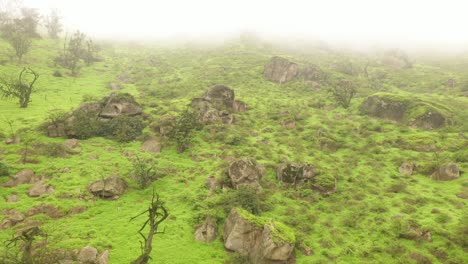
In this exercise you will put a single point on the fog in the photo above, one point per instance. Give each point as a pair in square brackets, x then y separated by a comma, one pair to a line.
[415, 23]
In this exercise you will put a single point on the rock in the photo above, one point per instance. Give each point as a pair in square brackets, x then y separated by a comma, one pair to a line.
[207, 232]
[13, 217]
[451, 83]
[240, 235]
[251, 236]
[88, 255]
[56, 130]
[40, 188]
[295, 173]
[115, 86]
[104, 258]
[275, 250]
[120, 105]
[109, 188]
[217, 105]
[288, 124]
[220, 97]
[280, 70]
[151, 146]
[112, 106]
[64, 170]
[77, 210]
[72, 145]
[420, 259]
[239, 106]
[13, 198]
[407, 110]
[246, 172]
[212, 183]
[165, 125]
[50, 210]
[447, 172]
[313, 73]
[407, 168]
[15, 140]
[25, 176]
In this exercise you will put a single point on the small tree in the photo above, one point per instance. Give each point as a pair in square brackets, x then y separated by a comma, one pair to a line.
[75, 50]
[343, 91]
[143, 171]
[183, 130]
[21, 88]
[19, 30]
[157, 213]
[53, 24]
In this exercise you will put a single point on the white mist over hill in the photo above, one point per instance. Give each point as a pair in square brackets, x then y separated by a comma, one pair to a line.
[360, 22]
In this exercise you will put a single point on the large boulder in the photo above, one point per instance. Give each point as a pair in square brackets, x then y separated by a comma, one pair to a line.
[109, 188]
[207, 232]
[217, 105]
[261, 239]
[120, 104]
[446, 172]
[280, 70]
[246, 172]
[407, 110]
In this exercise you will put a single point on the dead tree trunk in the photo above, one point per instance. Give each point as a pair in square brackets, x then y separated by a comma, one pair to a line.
[157, 213]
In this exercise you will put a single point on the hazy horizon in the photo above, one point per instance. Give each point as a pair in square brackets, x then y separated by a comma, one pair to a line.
[428, 24]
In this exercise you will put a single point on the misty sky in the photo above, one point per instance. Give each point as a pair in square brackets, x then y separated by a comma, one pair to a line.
[378, 21]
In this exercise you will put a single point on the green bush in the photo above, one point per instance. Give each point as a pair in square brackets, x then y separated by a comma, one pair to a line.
[4, 169]
[243, 197]
[85, 125]
[143, 172]
[123, 128]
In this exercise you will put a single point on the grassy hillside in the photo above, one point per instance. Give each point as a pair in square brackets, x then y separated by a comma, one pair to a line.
[366, 221]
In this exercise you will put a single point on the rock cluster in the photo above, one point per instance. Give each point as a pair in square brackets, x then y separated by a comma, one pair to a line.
[303, 174]
[112, 106]
[217, 105]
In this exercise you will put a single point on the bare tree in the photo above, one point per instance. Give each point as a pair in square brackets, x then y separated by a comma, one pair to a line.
[53, 24]
[20, 88]
[157, 213]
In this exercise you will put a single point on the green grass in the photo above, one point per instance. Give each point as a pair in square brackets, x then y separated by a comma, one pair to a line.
[354, 225]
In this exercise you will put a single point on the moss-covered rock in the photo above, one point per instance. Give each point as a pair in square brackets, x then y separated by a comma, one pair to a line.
[407, 110]
[262, 239]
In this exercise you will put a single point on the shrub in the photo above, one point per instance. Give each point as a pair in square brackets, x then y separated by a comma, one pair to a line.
[143, 171]
[123, 128]
[57, 73]
[243, 197]
[85, 125]
[185, 124]
[4, 169]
